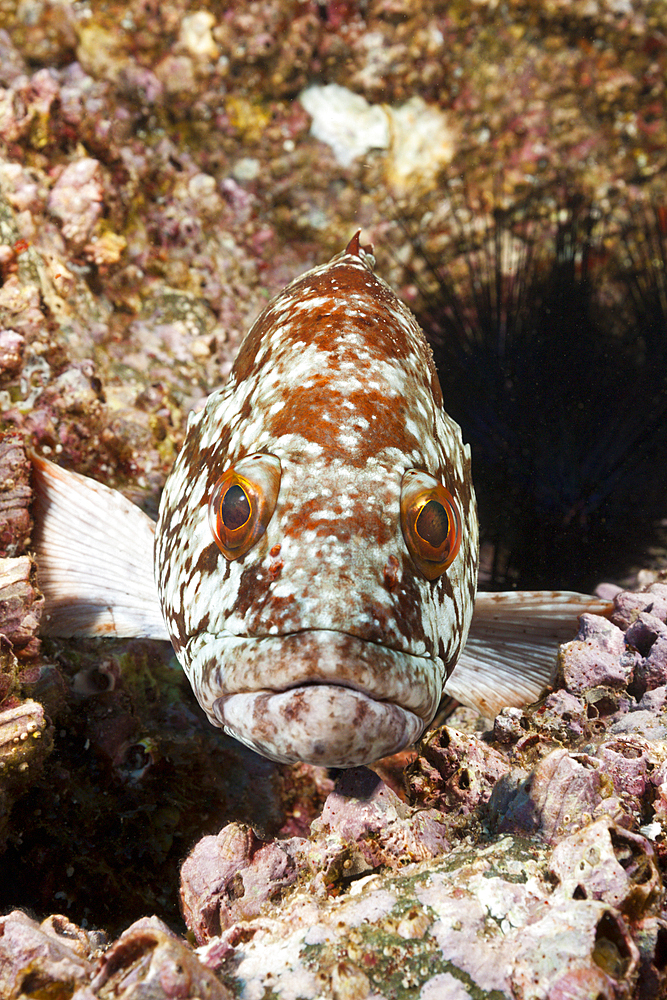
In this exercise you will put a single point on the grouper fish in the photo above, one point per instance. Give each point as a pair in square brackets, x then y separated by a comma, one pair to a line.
[315, 558]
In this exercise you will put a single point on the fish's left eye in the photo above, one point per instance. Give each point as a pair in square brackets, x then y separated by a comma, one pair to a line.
[242, 503]
[431, 523]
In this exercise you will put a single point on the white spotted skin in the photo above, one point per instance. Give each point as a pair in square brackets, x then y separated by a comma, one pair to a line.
[336, 380]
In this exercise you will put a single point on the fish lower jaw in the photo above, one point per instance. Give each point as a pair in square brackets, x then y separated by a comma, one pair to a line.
[324, 724]
[317, 695]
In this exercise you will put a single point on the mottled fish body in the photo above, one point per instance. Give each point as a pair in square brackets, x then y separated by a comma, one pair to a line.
[324, 639]
[316, 548]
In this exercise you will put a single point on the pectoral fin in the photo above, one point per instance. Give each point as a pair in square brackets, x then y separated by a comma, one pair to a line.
[510, 655]
[95, 558]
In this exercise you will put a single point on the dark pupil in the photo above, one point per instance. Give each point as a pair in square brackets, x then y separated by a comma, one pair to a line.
[433, 524]
[235, 509]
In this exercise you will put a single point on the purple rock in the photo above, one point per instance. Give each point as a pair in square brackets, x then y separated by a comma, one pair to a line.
[230, 876]
[606, 862]
[607, 591]
[648, 635]
[561, 795]
[627, 761]
[510, 725]
[37, 960]
[364, 812]
[644, 631]
[596, 658]
[652, 671]
[654, 701]
[639, 722]
[629, 605]
[659, 782]
[76, 199]
[576, 952]
[562, 714]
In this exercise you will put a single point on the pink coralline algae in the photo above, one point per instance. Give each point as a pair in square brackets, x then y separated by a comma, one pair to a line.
[76, 200]
[608, 713]
[58, 959]
[455, 771]
[232, 876]
[149, 960]
[597, 657]
[15, 497]
[364, 826]
[604, 861]
[365, 814]
[48, 957]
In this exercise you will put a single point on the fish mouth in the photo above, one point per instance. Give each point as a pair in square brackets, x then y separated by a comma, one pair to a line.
[317, 695]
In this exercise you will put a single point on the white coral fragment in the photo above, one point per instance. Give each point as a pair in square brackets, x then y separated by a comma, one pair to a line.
[345, 121]
[417, 136]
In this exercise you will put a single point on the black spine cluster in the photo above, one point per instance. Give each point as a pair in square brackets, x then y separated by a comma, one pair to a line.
[550, 339]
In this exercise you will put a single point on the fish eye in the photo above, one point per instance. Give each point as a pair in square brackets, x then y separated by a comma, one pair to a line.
[235, 507]
[242, 503]
[431, 523]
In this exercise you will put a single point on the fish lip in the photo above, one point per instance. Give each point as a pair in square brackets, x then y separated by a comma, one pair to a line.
[323, 725]
[223, 664]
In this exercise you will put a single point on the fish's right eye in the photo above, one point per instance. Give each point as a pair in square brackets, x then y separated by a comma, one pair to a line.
[242, 503]
[431, 523]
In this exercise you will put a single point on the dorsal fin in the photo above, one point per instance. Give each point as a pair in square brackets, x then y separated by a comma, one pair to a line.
[355, 248]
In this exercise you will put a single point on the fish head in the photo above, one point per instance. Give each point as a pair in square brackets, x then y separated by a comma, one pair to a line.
[316, 550]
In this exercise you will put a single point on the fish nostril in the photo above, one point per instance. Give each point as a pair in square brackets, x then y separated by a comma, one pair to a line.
[391, 571]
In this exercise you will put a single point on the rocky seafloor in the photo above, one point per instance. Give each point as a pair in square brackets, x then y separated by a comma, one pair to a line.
[522, 860]
[164, 169]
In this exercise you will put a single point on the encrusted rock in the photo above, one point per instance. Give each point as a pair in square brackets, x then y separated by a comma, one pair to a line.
[648, 635]
[488, 921]
[20, 605]
[76, 199]
[606, 862]
[454, 771]
[562, 794]
[49, 959]
[596, 658]
[149, 960]
[628, 605]
[15, 496]
[24, 741]
[12, 346]
[230, 877]
[364, 812]
[364, 825]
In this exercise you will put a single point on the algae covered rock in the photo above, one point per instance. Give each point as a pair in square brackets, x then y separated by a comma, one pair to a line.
[475, 923]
